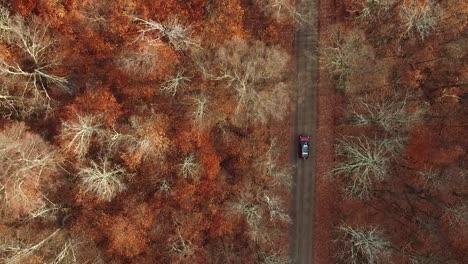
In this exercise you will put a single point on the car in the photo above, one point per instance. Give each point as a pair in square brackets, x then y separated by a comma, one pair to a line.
[304, 142]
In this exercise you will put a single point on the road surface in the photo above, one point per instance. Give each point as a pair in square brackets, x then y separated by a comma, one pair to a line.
[302, 206]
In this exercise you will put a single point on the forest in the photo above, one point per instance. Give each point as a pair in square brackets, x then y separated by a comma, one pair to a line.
[145, 131]
[155, 131]
[393, 99]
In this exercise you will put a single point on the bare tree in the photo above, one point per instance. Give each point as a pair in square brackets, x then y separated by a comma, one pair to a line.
[275, 209]
[252, 71]
[80, 134]
[372, 10]
[104, 179]
[363, 246]
[139, 63]
[190, 167]
[390, 113]
[182, 246]
[362, 163]
[179, 36]
[17, 253]
[175, 83]
[338, 56]
[249, 209]
[31, 38]
[141, 139]
[457, 215]
[281, 10]
[200, 112]
[269, 165]
[420, 18]
[26, 160]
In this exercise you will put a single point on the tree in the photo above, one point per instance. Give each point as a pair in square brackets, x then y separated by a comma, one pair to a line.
[181, 246]
[254, 71]
[362, 163]
[200, 112]
[80, 133]
[247, 208]
[281, 10]
[392, 113]
[372, 10]
[190, 167]
[269, 165]
[34, 67]
[275, 209]
[176, 34]
[26, 163]
[103, 179]
[139, 63]
[362, 246]
[174, 83]
[457, 215]
[17, 253]
[419, 18]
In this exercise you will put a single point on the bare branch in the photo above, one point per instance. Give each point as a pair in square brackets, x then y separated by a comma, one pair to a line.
[175, 83]
[176, 34]
[360, 246]
[181, 246]
[282, 10]
[25, 159]
[420, 18]
[80, 133]
[457, 215]
[200, 112]
[103, 180]
[273, 258]
[31, 38]
[269, 165]
[390, 113]
[275, 209]
[362, 163]
[190, 168]
[18, 254]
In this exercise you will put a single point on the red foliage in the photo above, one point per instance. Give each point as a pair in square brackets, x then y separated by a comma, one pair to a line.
[100, 102]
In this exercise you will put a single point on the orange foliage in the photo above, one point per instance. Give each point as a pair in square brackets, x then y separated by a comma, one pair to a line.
[100, 102]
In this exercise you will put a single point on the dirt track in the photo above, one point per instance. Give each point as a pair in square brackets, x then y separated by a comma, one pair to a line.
[302, 204]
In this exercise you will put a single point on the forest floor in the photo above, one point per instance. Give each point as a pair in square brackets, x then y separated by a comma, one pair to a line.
[306, 124]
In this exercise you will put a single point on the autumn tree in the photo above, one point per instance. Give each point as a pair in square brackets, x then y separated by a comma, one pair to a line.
[254, 71]
[33, 67]
[27, 164]
[359, 245]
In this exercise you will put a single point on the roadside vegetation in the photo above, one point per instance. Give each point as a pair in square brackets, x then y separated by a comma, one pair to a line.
[400, 152]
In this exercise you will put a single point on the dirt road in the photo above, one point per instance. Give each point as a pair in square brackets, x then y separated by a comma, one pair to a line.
[306, 123]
